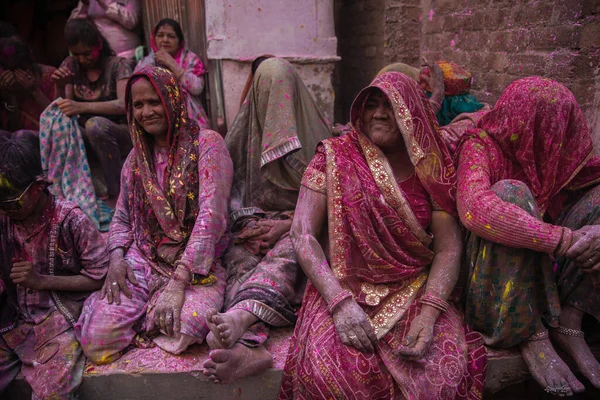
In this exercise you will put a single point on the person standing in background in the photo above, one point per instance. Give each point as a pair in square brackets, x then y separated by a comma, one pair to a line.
[116, 20]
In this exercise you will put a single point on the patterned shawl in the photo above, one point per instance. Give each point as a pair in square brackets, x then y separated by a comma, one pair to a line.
[378, 248]
[538, 135]
[276, 130]
[163, 213]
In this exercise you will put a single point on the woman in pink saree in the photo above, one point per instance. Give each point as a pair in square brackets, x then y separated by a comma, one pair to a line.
[376, 321]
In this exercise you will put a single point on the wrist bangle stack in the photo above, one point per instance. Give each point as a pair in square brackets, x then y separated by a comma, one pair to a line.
[341, 296]
[435, 302]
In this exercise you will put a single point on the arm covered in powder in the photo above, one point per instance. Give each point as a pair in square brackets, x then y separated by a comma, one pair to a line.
[215, 170]
[121, 234]
[126, 15]
[485, 214]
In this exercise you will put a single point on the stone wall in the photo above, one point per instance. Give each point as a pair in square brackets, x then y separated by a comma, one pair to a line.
[503, 40]
[301, 31]
[499, 41]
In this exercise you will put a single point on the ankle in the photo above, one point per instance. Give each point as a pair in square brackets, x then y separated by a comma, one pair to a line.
[246, 318]
[570, 317]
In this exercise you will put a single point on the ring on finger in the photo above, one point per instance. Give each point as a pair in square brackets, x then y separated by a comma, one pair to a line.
[114, 283]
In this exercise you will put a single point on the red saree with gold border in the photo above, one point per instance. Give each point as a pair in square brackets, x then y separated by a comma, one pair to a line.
[380, 252]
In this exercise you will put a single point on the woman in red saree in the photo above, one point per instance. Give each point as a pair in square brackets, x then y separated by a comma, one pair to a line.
[528, 193]
[375, 321]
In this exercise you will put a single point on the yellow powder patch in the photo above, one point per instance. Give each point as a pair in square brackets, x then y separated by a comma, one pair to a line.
[514, 137]
[488, 226]
[483, 252]
[195, 314]
[542, 356]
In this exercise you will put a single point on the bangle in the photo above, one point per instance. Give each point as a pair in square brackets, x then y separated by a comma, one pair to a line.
[435, 302]
[341, 296]
[543, 335]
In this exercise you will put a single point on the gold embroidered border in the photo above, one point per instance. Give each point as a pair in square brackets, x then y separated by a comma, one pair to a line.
[405, 123]
[315, 180]
[384, 177]
[395, 306]
[334, 214]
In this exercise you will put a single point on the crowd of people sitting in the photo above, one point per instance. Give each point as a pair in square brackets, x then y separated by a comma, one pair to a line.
[399, 245]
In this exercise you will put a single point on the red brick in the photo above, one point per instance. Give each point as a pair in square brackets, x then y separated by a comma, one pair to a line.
[591, 7]
[590, 34]
[560, 64]
[476, 41]
[445, 6]
[551, 38]
[436, 25]
[567, 11]
[535, 14]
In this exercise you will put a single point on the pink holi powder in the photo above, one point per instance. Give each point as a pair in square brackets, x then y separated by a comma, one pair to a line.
[431, 14]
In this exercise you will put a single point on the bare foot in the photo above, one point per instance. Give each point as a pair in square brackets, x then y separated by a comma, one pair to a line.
[212, 339]
[228, 365]
[576, 347]
[547, 368]
[226, 328]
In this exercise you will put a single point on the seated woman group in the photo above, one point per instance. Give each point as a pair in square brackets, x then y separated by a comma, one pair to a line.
[91, 85]
[213, 239]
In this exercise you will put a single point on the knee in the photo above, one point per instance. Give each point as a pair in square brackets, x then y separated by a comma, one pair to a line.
[517, 193]
[95, 128]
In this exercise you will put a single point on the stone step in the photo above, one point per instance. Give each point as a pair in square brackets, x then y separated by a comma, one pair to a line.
[153, 374]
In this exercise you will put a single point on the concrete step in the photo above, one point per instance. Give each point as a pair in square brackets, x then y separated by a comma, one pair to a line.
[146, 374]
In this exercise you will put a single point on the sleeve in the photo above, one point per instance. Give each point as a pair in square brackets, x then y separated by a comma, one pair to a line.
[488, 216]
[191, 80]
[127, 15]
[121, 70]
[215, 177]
[88, 244]
[81, 11]
[144, 62]
[315, 176]
[121, 234]
[68, 63]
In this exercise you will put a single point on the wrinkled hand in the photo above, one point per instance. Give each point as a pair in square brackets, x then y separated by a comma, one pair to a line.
[353, 326]
[167, 312]
[585, 248]
[8, 81]
[62, 76]
[26, 80]
[23, 273]
[419, 336]
[119, 272]
[164, 59]
[70, 107]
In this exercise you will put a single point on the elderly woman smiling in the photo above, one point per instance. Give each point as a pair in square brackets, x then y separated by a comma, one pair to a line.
[376, 321]
[168, 231]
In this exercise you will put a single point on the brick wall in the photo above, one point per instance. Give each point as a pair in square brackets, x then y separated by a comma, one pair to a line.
[499, 41]
[503, 40]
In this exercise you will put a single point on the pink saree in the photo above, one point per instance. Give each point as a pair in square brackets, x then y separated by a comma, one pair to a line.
[381, 253]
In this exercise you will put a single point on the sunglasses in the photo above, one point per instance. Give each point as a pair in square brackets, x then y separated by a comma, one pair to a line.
[14, 205]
